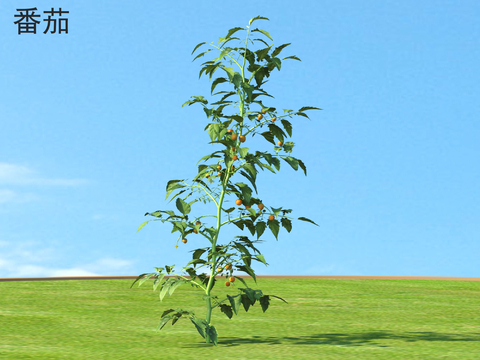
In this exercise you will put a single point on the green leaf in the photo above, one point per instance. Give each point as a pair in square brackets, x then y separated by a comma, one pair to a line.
[200, 99]
[247, 260]
[274, 227]
[237, 80]
[248, 270]
[243, 152]
[278, 49]
[259, 74]
[200, 324]
[183, 207]
[277, 131]
[201, 54]
[287, 224]
[242, 248]
[250, 57]
[157, 213]
[166, 312]
[213, 131]
[235, 301]
[208, 112]
[302, 114]
[246, 192]
[250, 168]
[276, 163]
[261, 41]
[277, 63]
[249, 223]
[179, 226]
[265, 302]
[279, 298]
[226, 41]
[309, 108]
[262, 53]
[267, 157]
[223, 142]
[177, 194]
[169, 286]
[260, 227]
[264, 33]
[192, 273]
[196, 261]
[216, 82]
[239, 224]
[197, 253]
[210, 70]
[146, 278]
[253, 159]
[262, 93]
[164, 321]
[302, 165]
[142, 225]
[196, 47]
[288, 147]
[227, 310]
[292, 57]
[222, 133]
[176, 317]
[268, 136]
[237, 118]
[251, 179]
[223, 53]
[288, 126]
[175, 285]
[233, 31]
[164, 289]
[211, 231]
[292, 162]
[257, 294]
[172, 185]
[202, 168]
[243, 281]
[212, 332]
[158, 280]
[178, 314]
[261, 258]
[229, 72]
[276, 211]
[246, 302]
[248, 89]
[138, 278]
[257, 18]
[305, 219]
[228, 94]
[250, 293]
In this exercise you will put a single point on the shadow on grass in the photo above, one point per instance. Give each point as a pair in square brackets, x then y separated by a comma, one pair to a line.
[367, 338]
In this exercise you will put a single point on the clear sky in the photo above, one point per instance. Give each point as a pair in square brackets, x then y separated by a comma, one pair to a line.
[92, 128]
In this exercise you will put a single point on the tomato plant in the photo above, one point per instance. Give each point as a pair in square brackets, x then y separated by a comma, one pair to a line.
[236, 253]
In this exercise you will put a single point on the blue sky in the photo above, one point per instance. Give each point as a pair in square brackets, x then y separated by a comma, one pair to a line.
[92, 128]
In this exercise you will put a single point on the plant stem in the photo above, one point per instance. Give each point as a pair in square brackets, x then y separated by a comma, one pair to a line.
[219, 210]
[214, 258]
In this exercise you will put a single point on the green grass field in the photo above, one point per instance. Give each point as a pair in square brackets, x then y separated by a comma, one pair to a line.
[324, 319]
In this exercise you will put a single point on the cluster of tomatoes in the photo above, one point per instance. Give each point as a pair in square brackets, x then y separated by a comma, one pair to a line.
[260, 207]
[231, 279]
[242, 138]
[234, 136]
[239, 202]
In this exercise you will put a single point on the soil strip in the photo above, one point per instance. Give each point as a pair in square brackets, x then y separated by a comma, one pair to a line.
[347, 277]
